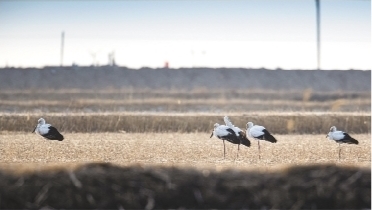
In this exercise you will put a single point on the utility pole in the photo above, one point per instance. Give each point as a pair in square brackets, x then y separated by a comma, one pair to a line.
[62, 46]
[317, 2]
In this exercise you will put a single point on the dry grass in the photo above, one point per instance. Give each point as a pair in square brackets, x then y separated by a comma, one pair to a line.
[144, 123]
[174, 149]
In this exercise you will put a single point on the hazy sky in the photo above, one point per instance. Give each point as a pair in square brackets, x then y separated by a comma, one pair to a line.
[245, 33]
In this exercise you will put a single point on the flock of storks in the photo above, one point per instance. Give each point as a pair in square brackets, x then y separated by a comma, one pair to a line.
[227, 132]
[235, 135]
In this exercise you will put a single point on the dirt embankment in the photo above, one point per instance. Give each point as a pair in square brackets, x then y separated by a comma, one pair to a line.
[184, 79]
[105, 186]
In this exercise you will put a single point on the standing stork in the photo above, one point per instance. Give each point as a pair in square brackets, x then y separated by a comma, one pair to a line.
[47, 131]
[340, 137]
[224, 132]
[238, 132]
[259, 133]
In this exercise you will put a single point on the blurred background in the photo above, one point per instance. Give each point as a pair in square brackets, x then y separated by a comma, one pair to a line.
[246, 34]
[185, 56]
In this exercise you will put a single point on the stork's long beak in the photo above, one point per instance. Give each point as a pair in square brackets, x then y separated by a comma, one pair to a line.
[34, 129]
[211, 135]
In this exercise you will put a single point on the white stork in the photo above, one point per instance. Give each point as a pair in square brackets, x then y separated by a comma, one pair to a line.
[259, 133]
[47, 131]
[238, 132]
[340, 137]
[224, 132]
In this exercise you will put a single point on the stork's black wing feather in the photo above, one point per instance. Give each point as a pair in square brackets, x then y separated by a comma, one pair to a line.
[268, 137]
[53, 134]
[231, 137]
[348, 139]
[243, 139]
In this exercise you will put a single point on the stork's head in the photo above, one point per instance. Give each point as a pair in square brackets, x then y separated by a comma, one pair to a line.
[41, 121]
[333, 129]
[215, 126]
[249, 125]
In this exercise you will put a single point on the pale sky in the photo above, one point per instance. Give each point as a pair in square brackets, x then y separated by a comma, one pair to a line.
[236, 33]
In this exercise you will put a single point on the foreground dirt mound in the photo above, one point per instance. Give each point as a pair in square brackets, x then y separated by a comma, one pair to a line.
[108, 186]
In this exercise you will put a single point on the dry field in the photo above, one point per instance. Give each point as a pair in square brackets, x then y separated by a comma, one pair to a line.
[163, 157]
[174, 149]
[181, 170]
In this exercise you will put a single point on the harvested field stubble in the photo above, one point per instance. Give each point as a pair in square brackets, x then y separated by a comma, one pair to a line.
[173, 170]
[276, 124]
[169, 149]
